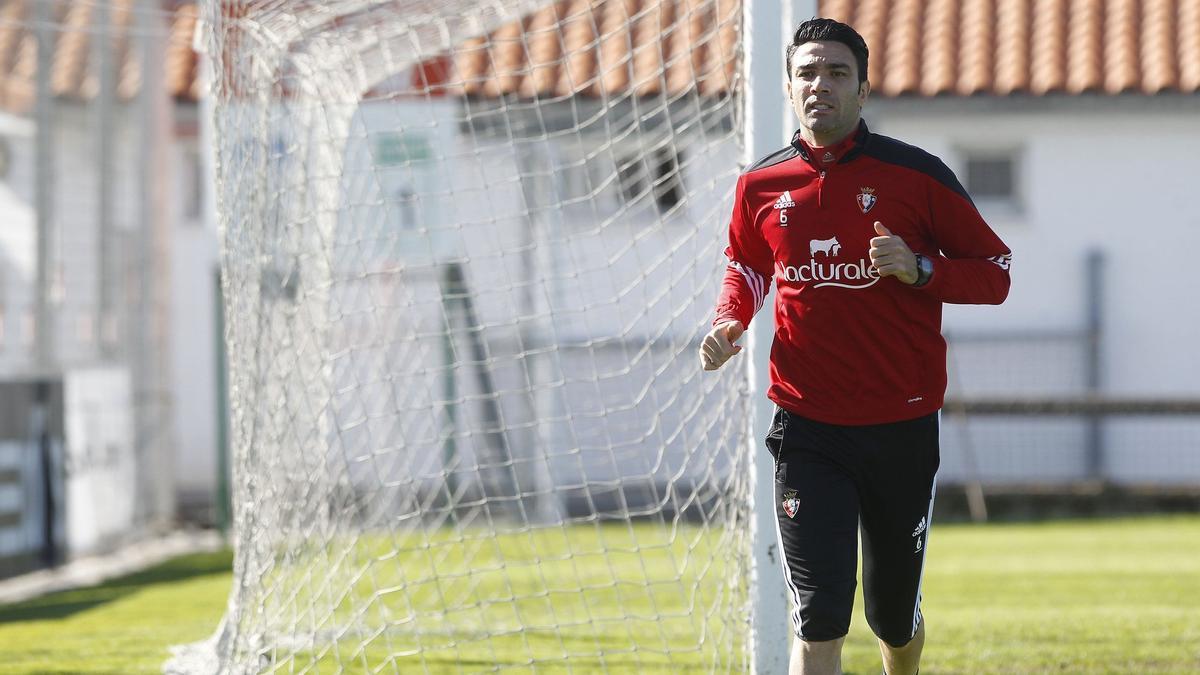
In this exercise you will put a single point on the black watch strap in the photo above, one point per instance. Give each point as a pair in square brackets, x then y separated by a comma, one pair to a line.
[924, 271]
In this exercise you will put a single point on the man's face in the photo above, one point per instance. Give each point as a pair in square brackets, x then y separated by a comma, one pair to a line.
[824, 90]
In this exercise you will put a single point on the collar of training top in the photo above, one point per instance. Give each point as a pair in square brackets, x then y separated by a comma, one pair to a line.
[843, 151]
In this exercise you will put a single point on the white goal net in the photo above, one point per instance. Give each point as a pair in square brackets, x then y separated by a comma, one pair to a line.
[468, 249]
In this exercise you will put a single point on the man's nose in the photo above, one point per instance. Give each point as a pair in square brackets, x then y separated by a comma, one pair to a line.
[820, 83]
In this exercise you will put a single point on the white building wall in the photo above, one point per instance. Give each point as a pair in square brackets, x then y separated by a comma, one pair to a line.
[1111, 175]
[1081, 187]
[194, 332]
[99, 461]
[1118, 181]
[75, 221]
[18, 245]
[595, 306]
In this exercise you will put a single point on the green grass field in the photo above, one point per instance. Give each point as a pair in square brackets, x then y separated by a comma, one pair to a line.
[1112, 596]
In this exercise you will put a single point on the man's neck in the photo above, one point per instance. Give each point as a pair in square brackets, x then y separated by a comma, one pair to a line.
[830, 153]
[825, 141]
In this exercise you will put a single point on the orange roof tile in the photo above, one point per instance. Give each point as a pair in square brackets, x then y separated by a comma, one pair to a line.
[1085, 49]
[1048, 47]
[180, 66]
[578, 34]
[604, 48]
[545, 50]
[940, 45]
[74, 72]
[1027, 46]
[1158, 55]
[1013, 36]
[918, 47]
[644, 47]
[1188, 35]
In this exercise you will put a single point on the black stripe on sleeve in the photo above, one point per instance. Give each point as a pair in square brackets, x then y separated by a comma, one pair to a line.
[777, 157]
[896, 152]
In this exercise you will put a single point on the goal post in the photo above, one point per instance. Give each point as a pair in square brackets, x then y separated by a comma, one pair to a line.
[468, 249]
[770, 123]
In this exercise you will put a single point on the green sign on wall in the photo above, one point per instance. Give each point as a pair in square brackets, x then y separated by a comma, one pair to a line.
[398, 147]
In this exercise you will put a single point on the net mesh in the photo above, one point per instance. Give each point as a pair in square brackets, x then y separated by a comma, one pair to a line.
[467, 251]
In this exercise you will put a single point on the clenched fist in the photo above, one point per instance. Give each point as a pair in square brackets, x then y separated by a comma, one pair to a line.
[718, 345]
[892, 257]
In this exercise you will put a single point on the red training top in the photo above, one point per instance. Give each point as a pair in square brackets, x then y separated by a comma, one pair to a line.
[851, 347]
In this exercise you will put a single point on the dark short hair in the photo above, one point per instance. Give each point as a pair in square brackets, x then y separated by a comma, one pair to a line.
[828, 30]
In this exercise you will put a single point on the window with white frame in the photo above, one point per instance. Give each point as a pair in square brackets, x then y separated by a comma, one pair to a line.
[616, 178]
[992, 178]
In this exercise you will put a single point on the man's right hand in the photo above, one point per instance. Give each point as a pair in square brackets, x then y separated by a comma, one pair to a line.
[718, 345]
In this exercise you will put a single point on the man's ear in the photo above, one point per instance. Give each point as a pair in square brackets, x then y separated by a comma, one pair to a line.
[864, 90]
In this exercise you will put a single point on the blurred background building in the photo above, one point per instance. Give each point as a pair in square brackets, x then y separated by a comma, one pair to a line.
[1073, 123]
[102, 268]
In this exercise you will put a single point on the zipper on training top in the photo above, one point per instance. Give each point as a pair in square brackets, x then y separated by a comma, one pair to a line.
[820, 188]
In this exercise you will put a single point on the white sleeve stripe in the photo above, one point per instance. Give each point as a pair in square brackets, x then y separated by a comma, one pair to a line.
[755, 282]
[1002, 261]
[758, 287]
[749, 281]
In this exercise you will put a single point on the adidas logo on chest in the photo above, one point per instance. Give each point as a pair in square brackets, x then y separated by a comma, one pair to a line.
[785, 200]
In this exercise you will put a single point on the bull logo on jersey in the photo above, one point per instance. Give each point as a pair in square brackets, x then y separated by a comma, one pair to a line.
[790, 503]
[830, 247]
[866, 199]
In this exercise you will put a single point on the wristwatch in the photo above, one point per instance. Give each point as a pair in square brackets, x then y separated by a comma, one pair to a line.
[924, 271]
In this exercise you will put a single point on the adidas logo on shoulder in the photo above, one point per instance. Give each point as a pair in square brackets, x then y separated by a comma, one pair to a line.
[785, 200]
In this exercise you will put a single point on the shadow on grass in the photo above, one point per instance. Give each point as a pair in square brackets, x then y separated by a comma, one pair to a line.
[66, 603]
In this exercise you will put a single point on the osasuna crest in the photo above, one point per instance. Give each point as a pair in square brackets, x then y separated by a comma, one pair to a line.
[790, 503]
[866, 199]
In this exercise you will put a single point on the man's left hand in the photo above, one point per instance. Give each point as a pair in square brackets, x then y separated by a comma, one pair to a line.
[891, 257]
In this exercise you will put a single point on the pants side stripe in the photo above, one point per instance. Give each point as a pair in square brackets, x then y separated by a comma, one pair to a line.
[924, 552]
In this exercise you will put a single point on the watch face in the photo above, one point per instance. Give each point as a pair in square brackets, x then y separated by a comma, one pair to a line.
[924, 269]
